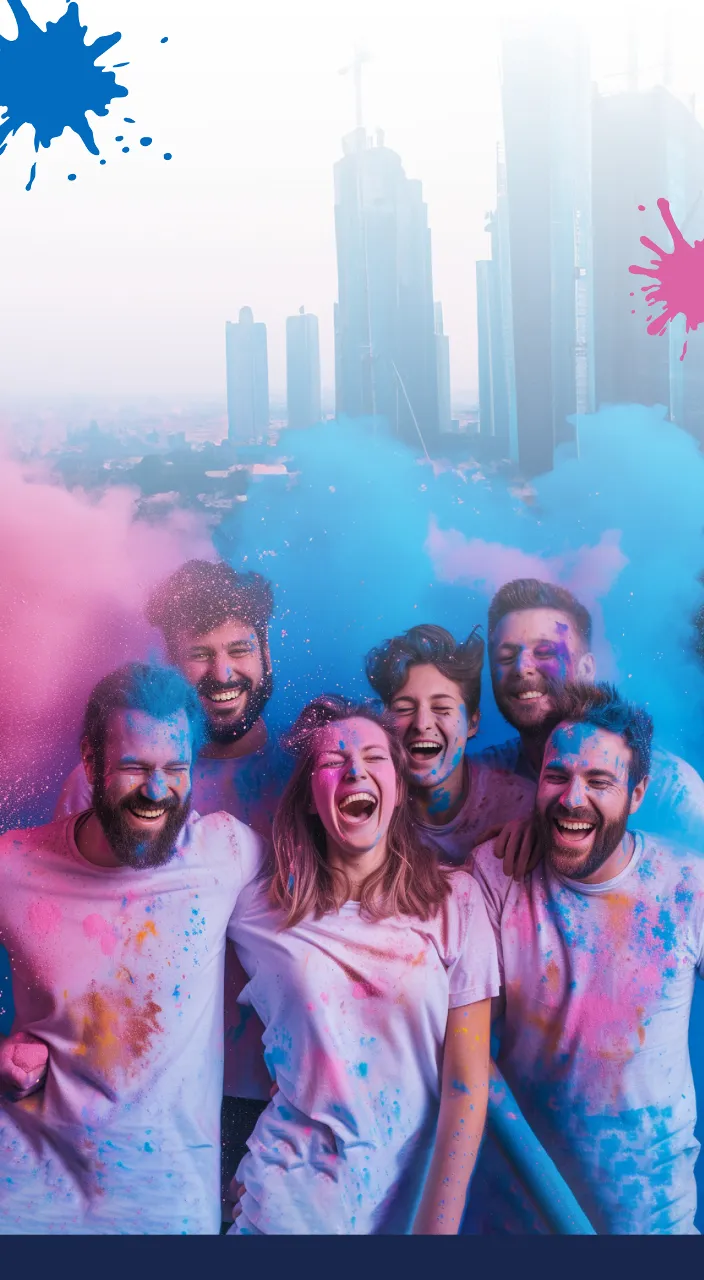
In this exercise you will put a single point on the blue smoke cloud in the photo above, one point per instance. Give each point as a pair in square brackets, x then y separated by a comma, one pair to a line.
[367, 540]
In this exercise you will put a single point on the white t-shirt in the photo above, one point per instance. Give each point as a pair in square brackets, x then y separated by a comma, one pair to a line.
[248, 787]
[598, 982]
[355, 1013]
[494, 798]
[120, 973]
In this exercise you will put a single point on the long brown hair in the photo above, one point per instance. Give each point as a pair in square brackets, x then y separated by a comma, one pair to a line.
[410, 881]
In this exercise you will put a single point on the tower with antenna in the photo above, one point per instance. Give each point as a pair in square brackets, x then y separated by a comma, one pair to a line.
[385, 341]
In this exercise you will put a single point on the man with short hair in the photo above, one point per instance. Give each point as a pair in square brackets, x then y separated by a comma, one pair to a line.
[539, 636]
[431, 685]
[214, 622]
[115, 921]
[599, 950]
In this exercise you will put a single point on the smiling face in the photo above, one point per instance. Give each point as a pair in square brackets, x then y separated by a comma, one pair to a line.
[430, 716]
[141, 787]
[528, 648]
[232, 676]
[354, 789]
[584, 798]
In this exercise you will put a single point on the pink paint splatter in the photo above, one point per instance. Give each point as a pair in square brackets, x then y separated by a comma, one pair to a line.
[44, 915]
[96, 926]
[678, 276]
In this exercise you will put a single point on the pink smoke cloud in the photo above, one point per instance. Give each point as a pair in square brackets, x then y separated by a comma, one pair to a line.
[75, 576]
[589, 572]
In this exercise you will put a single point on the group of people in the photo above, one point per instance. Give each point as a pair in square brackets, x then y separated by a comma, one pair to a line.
[341, 928]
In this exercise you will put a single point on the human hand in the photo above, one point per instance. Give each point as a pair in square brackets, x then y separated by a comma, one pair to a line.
[518, 847]
[24, 1061]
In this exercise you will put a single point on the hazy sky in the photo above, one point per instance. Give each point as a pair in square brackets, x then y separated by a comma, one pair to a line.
[120, 282]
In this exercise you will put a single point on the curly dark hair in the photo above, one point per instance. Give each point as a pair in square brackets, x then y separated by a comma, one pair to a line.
[201, 595]
[387, 666]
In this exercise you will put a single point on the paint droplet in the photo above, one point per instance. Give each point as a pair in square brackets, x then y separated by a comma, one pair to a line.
[72, 177]
[641, 207]
[145, 142]
[633, 311]
[125, 148]
[129, 120]
[32, 176]
[103, 161]
[167, 155]
[120, 137]
[164, 39]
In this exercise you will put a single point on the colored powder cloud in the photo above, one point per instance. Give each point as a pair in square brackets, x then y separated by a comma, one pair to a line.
[75, 576]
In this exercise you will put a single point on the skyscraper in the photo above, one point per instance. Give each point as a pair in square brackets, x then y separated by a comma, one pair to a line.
[442, 365]
[303, 370]
[497, 382]
[385, 348]
[546, 97]
[247, 378]
[646, 145]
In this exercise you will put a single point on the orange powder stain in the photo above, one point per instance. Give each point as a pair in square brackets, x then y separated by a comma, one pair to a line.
[552, 973]
[116, 1032]
[141, 936]
[620, 916]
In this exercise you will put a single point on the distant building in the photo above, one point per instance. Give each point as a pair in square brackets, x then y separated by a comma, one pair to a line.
[646, 145]
[497, 381]
[303, 370]
[442, 365]
[544, 272]
[247, 378]
[385, 341]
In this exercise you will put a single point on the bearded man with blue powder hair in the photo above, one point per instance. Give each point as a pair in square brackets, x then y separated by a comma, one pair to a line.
[115, 921]
[540, 636]
[599, 951]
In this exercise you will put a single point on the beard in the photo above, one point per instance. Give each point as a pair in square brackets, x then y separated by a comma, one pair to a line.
[606, 839]
[524, 716]
[137, 849]
[256, 698]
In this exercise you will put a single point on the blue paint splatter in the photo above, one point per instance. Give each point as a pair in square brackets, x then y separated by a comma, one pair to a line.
[167, 155]
[125, 148]
[49, 78]
[145, 142]
[164, 39]
[129, 120]
[120, 137]
[32, 176]
[72, 177]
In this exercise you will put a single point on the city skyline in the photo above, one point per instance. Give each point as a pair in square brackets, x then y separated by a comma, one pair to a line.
[121, 282]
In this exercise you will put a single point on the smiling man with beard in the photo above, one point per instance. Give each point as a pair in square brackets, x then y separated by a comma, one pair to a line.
[115, 921]
[214, 622]
[599, 950]
[540, 637]
[430, 685]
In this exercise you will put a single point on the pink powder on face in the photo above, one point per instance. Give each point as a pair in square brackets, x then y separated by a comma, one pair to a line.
[44, 915]
[97, 927]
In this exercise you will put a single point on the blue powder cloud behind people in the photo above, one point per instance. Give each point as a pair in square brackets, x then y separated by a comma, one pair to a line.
[367, 540]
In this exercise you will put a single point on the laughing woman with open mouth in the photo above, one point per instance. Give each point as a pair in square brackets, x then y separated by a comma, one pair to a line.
[372, 968]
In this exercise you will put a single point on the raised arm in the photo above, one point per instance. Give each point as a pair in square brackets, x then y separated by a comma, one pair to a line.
[463, 1104]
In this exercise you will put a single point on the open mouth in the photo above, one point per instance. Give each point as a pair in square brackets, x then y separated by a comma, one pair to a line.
[573, 831]
[226, 699]
[424, 749]
[147, 815]
[528, 695]
[359, 806]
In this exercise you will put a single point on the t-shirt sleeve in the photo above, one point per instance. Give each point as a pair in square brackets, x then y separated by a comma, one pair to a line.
[473, 970]
[76, 795]
[488, 873]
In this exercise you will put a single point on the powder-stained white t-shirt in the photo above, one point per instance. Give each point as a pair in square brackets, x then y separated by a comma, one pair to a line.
[120, 973]
[355, 1012]
[249, 787]
[494, 797]
[598, 982]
